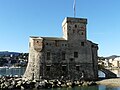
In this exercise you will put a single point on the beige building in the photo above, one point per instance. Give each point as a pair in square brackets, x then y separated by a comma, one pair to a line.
[70, 57]
[116, 62]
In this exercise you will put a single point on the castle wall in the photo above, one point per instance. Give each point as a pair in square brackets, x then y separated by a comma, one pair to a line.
[84, 62]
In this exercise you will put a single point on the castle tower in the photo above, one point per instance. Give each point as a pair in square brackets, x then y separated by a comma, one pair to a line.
[35, 57]
[74, 28]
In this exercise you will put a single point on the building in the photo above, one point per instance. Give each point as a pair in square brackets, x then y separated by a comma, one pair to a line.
[116, 62]
[104, 62]
[70, 57]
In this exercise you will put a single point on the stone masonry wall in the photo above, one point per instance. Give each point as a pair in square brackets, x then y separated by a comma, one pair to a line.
[69, 57]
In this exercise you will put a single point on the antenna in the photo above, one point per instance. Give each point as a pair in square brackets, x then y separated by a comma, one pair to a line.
[74, 8]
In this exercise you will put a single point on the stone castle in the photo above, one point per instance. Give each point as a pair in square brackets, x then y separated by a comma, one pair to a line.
[70, 57]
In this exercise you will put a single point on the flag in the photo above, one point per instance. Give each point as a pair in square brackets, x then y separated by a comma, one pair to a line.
[74, 7]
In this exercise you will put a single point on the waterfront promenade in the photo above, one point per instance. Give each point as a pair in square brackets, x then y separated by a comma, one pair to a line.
[114, 82]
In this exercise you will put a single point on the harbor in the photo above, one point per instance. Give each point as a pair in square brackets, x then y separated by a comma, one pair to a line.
[12, 71]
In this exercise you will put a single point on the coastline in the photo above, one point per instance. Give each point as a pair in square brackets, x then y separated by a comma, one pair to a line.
[13, 83]
[10, 67]
[114, 82]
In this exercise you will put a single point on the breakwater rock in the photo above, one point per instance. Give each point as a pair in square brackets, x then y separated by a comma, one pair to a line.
[7, 83]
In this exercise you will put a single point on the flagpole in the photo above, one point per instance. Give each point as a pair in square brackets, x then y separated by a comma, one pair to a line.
[74, 8]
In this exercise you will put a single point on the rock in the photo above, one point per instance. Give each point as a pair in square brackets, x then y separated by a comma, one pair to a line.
[81, 83]
[2, 85]
[13, 82]
[69, 84]
[85, 84]
[7, 83]
[26, 85]
[39, 85]
[92, 83]
[62, 82]
[77, 83]
[19, 82]
[73, 84]
[2, 80]
[63, 85]
[48, 85]
[55, 82]
[32, 84]
[11, 87]
[43, 84]
[18, 87]
[28, 82]
[59, 83]
[22, 88]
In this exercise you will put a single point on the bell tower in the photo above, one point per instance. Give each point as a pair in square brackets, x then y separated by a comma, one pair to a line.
[74, 28]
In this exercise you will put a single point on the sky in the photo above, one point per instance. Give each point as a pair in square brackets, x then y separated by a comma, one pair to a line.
[20, 19]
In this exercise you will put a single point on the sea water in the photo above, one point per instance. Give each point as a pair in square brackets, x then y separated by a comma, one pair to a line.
[97, 87]
[12, 71]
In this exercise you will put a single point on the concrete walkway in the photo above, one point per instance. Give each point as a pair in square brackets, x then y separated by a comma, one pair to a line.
[115, 82]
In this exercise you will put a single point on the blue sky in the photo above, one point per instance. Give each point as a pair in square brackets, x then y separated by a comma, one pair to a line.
[20, 19]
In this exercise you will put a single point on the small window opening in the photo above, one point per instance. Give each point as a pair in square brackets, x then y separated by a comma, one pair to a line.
[63, 55]
[48, 68]
[37, 41]
[92, 46]
[82, 33]
[78, 68]
[71, 59]
[82, 43]
[56, 43]
[48, 55]
[76, 54]
[75, 26]
[63, 68]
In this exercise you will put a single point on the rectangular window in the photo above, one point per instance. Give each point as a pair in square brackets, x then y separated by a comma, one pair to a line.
[78, 68]
[63, 55]
[48, 55]
[71, 59]
[82, 43]
[47, 68]
[76, 54]
[63, 68]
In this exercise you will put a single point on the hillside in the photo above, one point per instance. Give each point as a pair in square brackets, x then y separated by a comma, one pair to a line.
[6, 53]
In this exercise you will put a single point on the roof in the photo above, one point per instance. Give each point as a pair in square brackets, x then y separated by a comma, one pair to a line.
[48, 38]
[53, 38]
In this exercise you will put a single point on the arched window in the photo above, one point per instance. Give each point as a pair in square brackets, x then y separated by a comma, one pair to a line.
[75, 26]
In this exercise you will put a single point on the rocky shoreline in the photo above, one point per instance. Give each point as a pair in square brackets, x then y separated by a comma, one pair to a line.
[8, 83]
